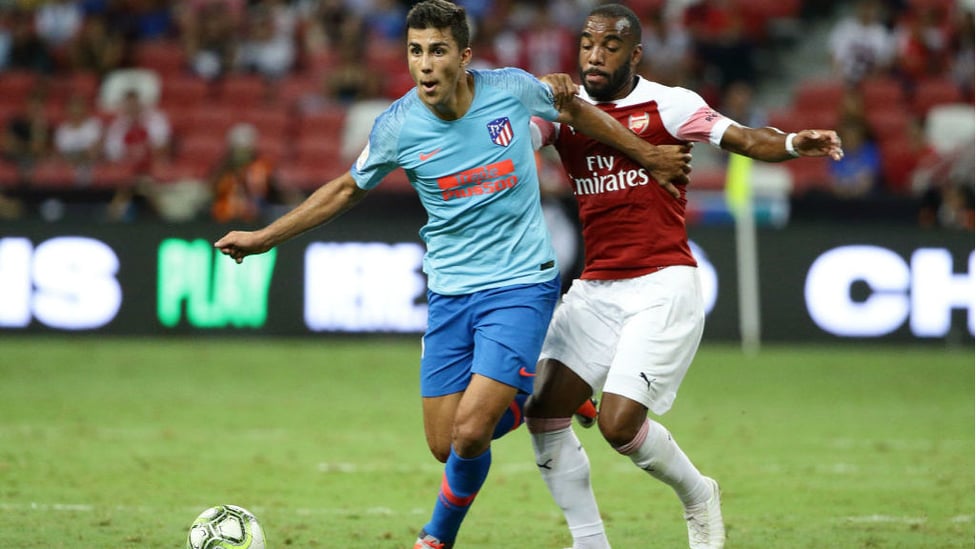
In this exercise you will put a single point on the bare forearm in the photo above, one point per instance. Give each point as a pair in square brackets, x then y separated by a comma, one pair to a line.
[322, 206]
[766, 144]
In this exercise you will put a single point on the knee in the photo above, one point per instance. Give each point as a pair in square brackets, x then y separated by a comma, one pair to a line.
[617, 433]
[532, 407]
[440, 452]
[471, 439]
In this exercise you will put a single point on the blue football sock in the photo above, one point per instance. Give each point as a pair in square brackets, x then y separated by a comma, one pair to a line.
[462, 480]
[512, 418]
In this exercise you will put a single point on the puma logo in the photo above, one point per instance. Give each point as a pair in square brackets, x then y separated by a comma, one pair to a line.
[646, 379]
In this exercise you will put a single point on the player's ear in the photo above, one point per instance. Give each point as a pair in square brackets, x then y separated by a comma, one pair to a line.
[636, 54]
[466, 56]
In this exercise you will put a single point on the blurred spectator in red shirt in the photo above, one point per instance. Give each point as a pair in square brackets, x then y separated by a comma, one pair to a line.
[921, 43]
[137, 136]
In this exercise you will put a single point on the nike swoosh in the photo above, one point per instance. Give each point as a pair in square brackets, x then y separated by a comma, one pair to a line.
[426, 156]
[525, 373]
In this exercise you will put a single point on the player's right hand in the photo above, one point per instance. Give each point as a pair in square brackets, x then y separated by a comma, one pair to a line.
[240, 244]
[670, 166]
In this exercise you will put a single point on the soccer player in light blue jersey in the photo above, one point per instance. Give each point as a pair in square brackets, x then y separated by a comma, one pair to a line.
[463, 138]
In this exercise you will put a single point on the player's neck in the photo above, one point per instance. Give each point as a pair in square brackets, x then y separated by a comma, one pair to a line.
[457, 104]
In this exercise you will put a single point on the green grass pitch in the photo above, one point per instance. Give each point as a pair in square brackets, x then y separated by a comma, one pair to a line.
[120, 443]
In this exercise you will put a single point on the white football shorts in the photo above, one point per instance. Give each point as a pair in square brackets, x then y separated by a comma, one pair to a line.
[634, 337]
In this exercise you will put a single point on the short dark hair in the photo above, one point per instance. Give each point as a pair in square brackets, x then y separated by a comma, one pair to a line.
[618, 11]
[441, 14]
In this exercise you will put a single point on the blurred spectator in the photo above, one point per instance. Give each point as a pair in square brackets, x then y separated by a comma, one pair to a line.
[921, 43]
[27, 50]
[344, 81]
[385, 21]
[325, 25]
[98, 48]
[739, 104]
[137, 135]
[860, 44]
[210, 32]
[78, 138]
[952, 208]
[667, 50]
[57, 22]
[244, 183]
[547, 47]
[27, 136]
[266, 50]
[722, 48]
[858, 174]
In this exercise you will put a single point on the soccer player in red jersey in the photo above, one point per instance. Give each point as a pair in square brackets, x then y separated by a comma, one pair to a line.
[631, 324]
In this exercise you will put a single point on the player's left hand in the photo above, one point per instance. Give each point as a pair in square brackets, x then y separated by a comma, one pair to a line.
[818, 143]
[564, 90]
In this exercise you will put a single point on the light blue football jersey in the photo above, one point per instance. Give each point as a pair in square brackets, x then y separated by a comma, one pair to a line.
[477, 179]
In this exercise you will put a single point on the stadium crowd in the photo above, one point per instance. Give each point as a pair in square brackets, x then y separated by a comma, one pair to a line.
[232, 109]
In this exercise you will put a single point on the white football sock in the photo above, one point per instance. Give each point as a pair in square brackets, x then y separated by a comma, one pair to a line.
[565, 468]
[655, 451]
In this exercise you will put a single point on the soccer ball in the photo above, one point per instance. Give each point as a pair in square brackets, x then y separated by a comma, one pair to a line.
[225, 527]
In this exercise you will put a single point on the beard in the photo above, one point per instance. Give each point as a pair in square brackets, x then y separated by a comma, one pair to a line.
[615, 82]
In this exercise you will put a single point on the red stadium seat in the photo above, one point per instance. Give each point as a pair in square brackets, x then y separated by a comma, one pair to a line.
[244, 90]
[164, 56]
[112, 176]
[201, 152]
[183, 91]
[270, 122]
[327, 123]
[886, 123]
[935, 91]
[16, 86]
[9, 175]
[213, 120]
[883, 91]
[818, 94]
[899, 158]
[292, 89]
[52, 175]
[808, 174]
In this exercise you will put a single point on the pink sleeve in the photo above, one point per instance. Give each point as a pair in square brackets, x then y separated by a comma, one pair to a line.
[704, 125]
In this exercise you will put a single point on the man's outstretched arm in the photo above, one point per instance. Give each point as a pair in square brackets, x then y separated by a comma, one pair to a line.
[772, 145]
[325, 204]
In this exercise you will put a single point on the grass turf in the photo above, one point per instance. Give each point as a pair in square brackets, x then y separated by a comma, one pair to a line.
[121, 442]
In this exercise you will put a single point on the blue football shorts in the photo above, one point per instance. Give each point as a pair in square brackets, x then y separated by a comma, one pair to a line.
[496, 333]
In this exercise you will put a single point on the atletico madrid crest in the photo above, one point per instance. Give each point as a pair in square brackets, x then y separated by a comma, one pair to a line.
[500, 131]
[638, 122]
